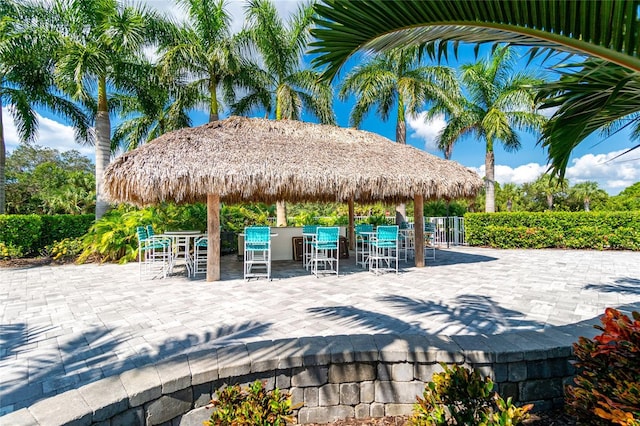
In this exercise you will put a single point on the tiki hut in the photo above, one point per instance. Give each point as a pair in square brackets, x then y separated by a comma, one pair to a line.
[249, 159]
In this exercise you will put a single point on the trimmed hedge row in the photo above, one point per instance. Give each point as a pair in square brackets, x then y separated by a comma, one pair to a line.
[576, 230]
[31, 233]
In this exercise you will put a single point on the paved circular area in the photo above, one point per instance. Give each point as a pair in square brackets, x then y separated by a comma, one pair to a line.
[65, 326]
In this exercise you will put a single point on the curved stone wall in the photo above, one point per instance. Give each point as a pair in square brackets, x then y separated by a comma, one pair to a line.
[333, 377]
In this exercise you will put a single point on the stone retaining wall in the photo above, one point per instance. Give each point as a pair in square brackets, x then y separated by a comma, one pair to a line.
[334, 377]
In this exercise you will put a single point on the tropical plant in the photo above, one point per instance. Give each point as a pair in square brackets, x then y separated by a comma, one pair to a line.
[606, 389]
[101, 41]
[586, 192]
[152, 107]
[203, 53]
[545, 192]
[508, 197]
[283, 86]
[628, 199]
[498, 102]
[346, 27]
[26, 79]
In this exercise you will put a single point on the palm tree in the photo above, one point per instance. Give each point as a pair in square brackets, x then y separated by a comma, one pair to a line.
[344, 27]
[204, 53]
[396, 79]
[26, 79]
[511, 195]
[282, 86]
[151, 108]
[500, 102]
[586, 192]
[544, 191]
[102, 40]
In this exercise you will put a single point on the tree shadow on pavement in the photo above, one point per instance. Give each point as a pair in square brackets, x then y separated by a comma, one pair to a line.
[625, 285]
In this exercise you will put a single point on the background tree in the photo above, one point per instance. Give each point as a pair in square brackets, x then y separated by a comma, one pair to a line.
[545, 193]
[495, 103]
[26, 79]
[204, 54]
[281, 84]
[101, 41]
[628, 199]
[509, 197]
[584, 193]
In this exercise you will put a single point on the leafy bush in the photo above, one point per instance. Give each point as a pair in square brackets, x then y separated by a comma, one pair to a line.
[607, 386]
[578, 230]
[459, 396]
[64, 251]
[61, 226]
[9, 251]
[253, 406]
[21, 232]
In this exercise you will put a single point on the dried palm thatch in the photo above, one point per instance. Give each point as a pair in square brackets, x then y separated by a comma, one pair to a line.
[250, 159]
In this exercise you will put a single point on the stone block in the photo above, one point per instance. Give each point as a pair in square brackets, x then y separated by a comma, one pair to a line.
[365, 349]
[297, 396]
[505, 350]
[475, 348]
[311, 397]
[402, 372]
[168, 406]
[68, 408]
[501, 372]
[201, 395]
[312, 415]
[290, 353]
[315, 351]
[483, 369]
[367, 392]
[391, 348]
[509, 390]
[362, 411]
[21, 417]
[538, 369]
[352, 372]
[341, 349]
[443, 349]
[377, 409]
[398, 393]
[417, 347]
[340, 412]
[547, 389]
[349, 393]
[559, 367]
[309, 376]
[398, 409]
[233, 361]
[142, 385]
[174, 374]
[133, 416]
[194, 417]
[329, 395]
[106, 398]
[517, 371]
[383, 370]
[425, 372]
[283, 379]
[203, 366]
[263, 356]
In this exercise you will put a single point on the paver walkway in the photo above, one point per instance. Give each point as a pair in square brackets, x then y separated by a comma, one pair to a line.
[65, 326]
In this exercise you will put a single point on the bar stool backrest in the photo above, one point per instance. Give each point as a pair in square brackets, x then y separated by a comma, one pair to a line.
[328, 234]
[364, 227]
[309, 229]
[387, 233]
[257, 234]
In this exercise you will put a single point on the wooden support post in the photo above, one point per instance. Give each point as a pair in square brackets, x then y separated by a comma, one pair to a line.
[418, 228]
[213, 234]
[351, 232]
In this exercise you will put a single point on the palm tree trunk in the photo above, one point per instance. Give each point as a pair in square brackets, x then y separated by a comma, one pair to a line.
[213, 105]
[103, 145]
[3, 161]
[401, 137]
[489, 180]
[281, 213]
[587, 204]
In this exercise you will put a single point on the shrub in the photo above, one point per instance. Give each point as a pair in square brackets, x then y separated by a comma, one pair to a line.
[21, 232]
[459, 396]
[64, 251]
[9, 251]
[251, 406]
[607, 386]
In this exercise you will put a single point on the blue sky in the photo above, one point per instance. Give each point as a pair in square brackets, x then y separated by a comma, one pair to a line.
[591, 160]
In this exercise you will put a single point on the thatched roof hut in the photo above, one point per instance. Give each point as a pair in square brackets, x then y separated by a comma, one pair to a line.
[251, 159]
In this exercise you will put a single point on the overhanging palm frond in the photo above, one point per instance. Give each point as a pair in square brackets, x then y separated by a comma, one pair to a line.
[599, 95]
[612, 28]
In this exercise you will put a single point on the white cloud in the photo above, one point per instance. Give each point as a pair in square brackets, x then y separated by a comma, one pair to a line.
[50, 134]
[426, 130]
[611, 175]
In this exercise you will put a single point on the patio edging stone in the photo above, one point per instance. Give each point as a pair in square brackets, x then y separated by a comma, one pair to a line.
[333, 377]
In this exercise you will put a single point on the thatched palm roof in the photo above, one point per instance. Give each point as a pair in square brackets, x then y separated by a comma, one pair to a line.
[250, 159]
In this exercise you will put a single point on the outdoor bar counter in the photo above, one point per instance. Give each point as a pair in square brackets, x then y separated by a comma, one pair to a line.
[282, 245]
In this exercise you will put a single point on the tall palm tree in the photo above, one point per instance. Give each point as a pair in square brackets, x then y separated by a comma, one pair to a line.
[102, 40]
[586, 192]
[395, 80]
[606, 30]
[150, 108]
[499, 102]
[281, 85]
[26, 79]
[204, 53]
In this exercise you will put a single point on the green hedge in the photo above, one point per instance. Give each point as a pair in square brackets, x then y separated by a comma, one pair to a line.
[31, 233]
[577, 230]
